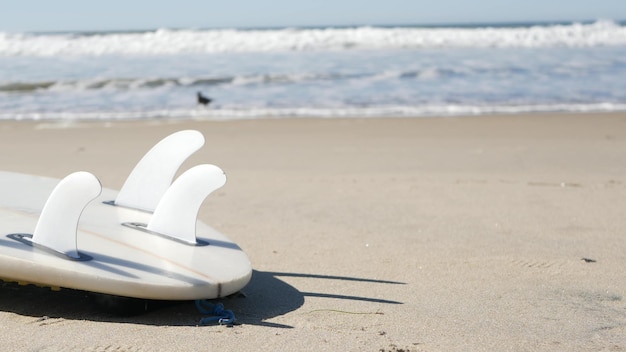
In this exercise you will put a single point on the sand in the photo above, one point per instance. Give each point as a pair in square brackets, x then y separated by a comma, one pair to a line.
[425, 234]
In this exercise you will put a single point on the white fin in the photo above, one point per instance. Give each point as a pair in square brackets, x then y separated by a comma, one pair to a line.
[56, 228]
[154, 173]
[177, 212]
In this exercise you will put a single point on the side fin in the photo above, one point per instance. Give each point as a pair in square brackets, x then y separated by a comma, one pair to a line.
[58, 222]
[177, 212]
[154, 173]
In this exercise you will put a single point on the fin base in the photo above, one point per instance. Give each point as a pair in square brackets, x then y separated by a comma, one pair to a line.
[26, 239]
[144, 227]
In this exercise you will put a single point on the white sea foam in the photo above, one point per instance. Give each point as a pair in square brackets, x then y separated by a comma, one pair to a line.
[245, 114]
[165, 41]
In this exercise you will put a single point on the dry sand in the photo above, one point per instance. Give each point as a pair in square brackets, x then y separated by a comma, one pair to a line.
[435, 234]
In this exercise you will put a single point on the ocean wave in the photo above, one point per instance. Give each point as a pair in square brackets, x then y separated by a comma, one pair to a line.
[125, 84]
[171, 42]
[108, 83]
[427, 73]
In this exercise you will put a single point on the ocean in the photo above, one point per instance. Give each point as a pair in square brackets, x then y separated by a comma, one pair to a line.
[368, 71]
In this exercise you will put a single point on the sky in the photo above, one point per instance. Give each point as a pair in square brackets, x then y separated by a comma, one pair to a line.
[69, 15]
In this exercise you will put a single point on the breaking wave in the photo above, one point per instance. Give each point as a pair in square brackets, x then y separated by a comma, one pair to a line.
[186, 41]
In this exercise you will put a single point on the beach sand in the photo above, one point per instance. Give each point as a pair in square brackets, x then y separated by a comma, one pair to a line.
[424, 234]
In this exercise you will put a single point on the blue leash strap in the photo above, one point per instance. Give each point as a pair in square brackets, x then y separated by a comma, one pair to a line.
[215, 313]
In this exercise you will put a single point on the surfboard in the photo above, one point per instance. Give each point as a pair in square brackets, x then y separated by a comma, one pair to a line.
[144, 241]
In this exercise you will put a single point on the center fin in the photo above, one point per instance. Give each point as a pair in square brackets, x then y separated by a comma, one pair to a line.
[154, 173]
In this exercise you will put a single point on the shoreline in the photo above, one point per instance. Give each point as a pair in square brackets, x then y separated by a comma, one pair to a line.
[448, 233]
[222, 119]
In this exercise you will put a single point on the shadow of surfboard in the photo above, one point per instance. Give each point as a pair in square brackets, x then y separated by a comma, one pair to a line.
[266, 296]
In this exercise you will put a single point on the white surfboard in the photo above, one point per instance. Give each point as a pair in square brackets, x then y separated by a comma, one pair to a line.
[71, 233]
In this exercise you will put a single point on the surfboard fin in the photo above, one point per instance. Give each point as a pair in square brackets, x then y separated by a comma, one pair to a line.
[58, 222]
[154, 173]
[176, 214]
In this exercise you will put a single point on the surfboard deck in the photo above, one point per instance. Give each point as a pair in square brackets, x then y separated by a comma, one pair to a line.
[117, 250]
